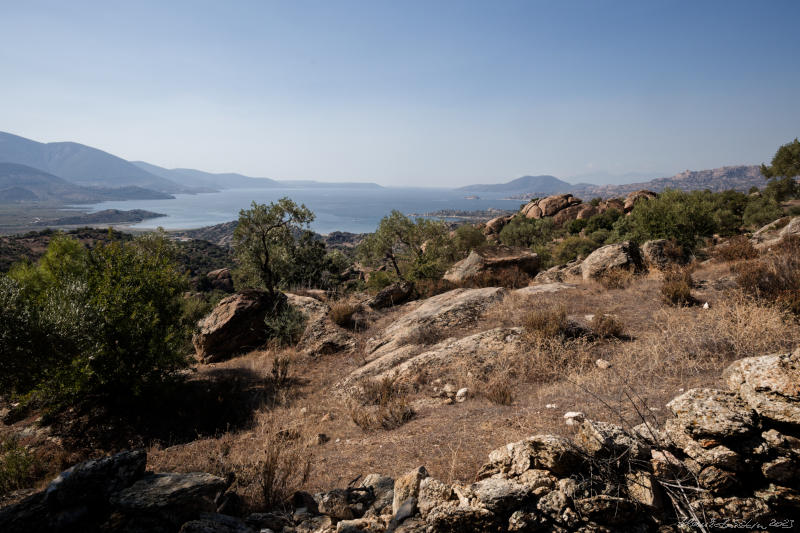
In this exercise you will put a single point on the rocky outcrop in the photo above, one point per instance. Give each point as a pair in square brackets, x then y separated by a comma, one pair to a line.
[636, 196]
[320, 336]
[221, 280]
[493, 227]
[724, 456]
[624, 255]
[549, 206]
[660, 253]
[474, 352]
[562, 208]
[491, 259]
[394, 294]
[456, 308]
[774, 232]
[236, 325]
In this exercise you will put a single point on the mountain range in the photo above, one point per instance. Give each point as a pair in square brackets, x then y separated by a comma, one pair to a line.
[69, 172]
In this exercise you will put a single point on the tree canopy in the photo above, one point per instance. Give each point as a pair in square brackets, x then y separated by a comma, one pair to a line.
[264, 240]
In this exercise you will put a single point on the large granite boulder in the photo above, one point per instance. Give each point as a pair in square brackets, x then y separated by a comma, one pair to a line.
[76, 500]
[770, 384]
[221, 279]
[624, 255]
[236, 325]
[636, 196]
[394, 294]
[492, 259]
[163, 502]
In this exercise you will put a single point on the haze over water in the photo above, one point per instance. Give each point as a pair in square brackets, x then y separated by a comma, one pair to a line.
[356, 210]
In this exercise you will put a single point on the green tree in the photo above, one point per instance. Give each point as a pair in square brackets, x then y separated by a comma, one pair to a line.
[412, 248]
[783, 170]
[264, 240]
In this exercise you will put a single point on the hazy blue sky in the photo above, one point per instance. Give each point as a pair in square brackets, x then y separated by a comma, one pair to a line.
[424, 93]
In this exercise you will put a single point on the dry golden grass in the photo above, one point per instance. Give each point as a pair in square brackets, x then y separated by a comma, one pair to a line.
[546, 322]
[775, 277]
[606, 326]
[737, 248]
[676, 288]
[341, 313]
[617, 278]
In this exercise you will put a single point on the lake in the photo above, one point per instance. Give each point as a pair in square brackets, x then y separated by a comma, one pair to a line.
[357, 210]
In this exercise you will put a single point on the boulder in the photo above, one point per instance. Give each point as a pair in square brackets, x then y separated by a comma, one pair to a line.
[604, 440]
[770, 384]
[162, 502]
[500, 495]
[553, 204]
[496, 225]
[407, 486]
[567, 214]
[545, 452]
[432, 493]
[459, 307]
[236, 325]
[215, 523]
[491, 259]
[634, 197]
[610, 257]
[77, 500]
[543, 288]
[382, 488]
[221, 279]
[710, 413]
[480, 350]
[654, 253]
[394, 294]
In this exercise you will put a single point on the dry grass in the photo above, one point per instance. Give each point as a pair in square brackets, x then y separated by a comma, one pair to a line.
[737, 248]
[676, 288]
[381, 404]
[607, 326]
[341, 313]
[617, 278]
[498, 390]
[509, 277]
[775, 277]
[546, 323]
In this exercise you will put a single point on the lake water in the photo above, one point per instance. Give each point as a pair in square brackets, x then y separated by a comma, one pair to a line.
[357, 210]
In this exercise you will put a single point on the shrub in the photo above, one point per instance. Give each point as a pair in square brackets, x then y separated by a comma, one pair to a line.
[18, 467]
[616, 278]
[606, 326]
[466, 239]
[280, 369]
[381, 404]
[498, 391]
[379, 279]
[285, 324]
[548, 322]
[100, 321]
[736, 249]
[575, 226]
[425, 288]
[572, 247]
[761, 210]
[676, 288]
[774, 277]
[341, 313]
[527, 232]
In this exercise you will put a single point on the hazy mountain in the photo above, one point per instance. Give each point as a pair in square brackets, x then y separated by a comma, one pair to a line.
[608, 178]
[739, 178]
[231, 180]
[24, 184]
[526, 184]
[81, 164]
[197, 178]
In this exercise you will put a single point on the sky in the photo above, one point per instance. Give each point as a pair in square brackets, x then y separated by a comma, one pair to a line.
[422, 93]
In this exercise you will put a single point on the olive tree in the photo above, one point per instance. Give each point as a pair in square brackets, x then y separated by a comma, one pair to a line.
[264, 240]
[410, 247]
[783, 170]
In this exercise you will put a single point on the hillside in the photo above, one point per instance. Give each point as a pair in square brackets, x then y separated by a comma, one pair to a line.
[81, 164]
[739, 178]
[544, 184]
[24, 184]
[106, 216]
[197, 178]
